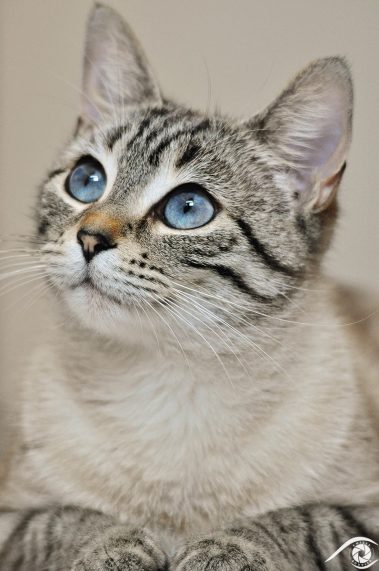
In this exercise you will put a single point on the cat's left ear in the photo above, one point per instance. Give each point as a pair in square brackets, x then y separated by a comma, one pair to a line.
[309, 128]
[116, 72]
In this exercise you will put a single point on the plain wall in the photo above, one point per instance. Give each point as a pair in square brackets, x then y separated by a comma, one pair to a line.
[233, 55]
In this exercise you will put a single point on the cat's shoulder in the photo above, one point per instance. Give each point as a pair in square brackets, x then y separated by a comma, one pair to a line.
[361, 310]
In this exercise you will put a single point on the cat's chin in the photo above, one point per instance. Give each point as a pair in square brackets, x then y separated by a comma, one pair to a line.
[100, 312]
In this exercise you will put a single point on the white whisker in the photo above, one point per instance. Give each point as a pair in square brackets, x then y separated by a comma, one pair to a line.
[152, 327]
[219, 336]
[38, 290]
[232, 314]
[15, 264]
[172, 331]
[9, 288]
[21, 271]
[261, 352]
[204, 339]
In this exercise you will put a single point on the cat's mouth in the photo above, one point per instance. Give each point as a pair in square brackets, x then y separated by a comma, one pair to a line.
[88, 284]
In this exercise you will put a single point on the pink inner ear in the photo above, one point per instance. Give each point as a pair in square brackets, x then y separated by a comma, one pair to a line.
[116, 71]
[309, 124]
[325, 133]
[325, 146]
[328, 190]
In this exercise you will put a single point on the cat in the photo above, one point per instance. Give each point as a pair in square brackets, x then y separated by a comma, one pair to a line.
[204, 404]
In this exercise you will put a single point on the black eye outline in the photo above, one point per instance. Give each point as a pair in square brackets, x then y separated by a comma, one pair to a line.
[84, 160]
[159, 208]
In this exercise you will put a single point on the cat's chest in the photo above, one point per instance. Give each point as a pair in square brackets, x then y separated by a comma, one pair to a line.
[177, 448]
[162, 448]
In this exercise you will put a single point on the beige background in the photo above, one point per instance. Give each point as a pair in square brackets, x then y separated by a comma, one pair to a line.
[235, 55]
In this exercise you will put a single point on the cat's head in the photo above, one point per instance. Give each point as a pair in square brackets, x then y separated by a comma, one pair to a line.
[155, 208]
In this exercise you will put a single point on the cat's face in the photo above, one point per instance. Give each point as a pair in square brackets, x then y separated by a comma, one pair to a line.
[157, 208]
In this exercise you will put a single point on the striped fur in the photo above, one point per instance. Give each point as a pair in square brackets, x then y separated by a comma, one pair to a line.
[59, 538]
[201, 385]
[288, 539]
[62, 538]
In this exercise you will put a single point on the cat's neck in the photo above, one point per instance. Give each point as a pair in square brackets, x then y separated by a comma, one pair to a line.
[256, 357]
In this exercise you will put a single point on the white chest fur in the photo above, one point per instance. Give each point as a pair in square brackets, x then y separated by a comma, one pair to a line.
[180, 447]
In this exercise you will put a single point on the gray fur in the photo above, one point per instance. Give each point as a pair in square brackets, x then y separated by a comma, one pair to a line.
[63, 538]
[274, 180]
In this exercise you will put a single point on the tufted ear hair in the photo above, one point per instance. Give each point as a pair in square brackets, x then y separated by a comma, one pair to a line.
[116, 72]
[309, 127]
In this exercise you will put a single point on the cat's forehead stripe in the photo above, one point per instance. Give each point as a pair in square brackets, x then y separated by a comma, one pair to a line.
[156, 131]
[118, 132]
[156, 153]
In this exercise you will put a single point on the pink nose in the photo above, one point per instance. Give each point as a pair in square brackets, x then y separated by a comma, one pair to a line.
[93, 243]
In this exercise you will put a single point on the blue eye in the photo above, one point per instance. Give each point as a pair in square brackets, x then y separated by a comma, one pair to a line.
[188, 206]
[87, 180]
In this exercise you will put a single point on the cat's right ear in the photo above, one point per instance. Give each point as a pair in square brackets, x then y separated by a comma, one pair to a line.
[309, 128]
[116, 72]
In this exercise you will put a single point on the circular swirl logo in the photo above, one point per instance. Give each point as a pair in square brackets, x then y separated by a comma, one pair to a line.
[361, 554]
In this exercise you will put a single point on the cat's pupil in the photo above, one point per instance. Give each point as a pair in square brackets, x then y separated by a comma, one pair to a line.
[188, 205]
[92, 178]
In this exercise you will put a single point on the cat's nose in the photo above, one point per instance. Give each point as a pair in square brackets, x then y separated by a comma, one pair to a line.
[93, 242]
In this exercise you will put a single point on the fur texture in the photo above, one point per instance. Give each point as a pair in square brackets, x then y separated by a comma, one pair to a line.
[203, 379]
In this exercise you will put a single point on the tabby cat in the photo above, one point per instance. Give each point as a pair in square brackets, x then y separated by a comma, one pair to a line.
[204, 404]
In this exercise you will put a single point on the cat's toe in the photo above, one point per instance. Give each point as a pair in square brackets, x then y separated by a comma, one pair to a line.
[123, 549]
[220, 553]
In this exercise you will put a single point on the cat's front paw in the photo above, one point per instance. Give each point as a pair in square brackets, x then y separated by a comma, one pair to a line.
[222, 552]
[123, 549]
